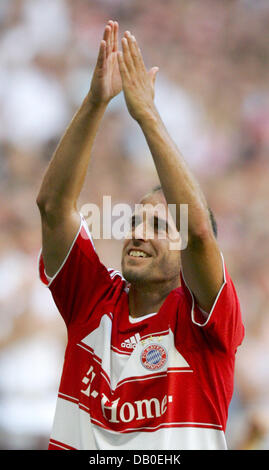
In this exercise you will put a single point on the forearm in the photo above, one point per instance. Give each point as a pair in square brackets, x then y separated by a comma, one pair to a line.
[67, 170]
[178, 183]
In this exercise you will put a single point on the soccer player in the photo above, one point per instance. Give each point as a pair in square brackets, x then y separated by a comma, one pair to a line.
[149, 362]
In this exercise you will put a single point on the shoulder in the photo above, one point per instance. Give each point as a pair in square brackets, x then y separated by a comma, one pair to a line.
[119, 285]
[177, 302]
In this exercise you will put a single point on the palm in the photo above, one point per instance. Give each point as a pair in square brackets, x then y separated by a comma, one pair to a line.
[106, 82]
[112, 84]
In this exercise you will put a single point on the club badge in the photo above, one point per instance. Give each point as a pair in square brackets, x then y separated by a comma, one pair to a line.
[153, 357]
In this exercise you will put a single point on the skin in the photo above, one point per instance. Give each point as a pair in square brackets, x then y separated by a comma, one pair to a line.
[151, 279]
[106, 82]
[65, 175]
[201, 260]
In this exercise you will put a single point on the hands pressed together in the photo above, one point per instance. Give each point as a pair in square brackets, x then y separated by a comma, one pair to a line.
[123, 70]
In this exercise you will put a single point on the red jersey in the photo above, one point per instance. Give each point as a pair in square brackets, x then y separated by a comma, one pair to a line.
[163, 381]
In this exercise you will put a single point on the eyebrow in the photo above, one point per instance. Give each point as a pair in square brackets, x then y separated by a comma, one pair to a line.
[155, 218]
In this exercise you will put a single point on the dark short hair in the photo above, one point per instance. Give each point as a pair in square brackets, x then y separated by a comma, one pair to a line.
[211, 215]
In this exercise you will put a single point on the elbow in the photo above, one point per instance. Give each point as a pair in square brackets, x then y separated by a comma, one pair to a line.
[200, 235]
[48, 212]
[203, 230]
[45, 205]
[54, 208]
[42, 203]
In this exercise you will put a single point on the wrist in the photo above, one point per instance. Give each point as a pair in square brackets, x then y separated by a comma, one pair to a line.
[94, 102]
[148, 115]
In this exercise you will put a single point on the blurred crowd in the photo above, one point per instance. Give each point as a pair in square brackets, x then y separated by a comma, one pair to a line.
[212, 92]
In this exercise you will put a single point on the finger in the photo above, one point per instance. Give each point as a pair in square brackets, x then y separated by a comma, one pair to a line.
[111, 24]
[153, 73]
[116, 30]
[101, 54]
[106, 32]
[107, 38]
[127, 55]
[136, 53]
[130, 41]
[122, 67]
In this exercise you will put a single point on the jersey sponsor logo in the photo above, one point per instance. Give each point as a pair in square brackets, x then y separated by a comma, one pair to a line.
[114, 412]
[131, 342]
[153, 357]
[87, 380]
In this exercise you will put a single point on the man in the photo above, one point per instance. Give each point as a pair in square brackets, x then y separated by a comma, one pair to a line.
[149, 362]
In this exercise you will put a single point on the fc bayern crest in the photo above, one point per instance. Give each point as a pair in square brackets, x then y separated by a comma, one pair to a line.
[153, 357]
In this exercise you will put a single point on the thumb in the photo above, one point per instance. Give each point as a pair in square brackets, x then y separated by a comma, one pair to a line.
[153, 73]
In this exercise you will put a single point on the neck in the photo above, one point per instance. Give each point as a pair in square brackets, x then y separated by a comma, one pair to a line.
[149, 298]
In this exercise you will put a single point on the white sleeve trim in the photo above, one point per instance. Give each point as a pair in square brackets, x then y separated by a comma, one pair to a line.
[113, 272]
[213, 306]
[51, 279]
[87, 230]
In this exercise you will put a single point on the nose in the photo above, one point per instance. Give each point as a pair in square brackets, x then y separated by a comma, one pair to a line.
[139, 232]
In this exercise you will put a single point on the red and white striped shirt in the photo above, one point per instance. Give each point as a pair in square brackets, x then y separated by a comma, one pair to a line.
[163, 381]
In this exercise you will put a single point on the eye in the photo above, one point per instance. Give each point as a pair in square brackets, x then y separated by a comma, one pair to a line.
[135, 221]
[160, 225]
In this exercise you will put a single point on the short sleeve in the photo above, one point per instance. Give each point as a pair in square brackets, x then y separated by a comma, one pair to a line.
[81, 282]
[223, 325]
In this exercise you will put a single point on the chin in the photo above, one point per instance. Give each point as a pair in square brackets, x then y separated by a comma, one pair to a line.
[132, 274]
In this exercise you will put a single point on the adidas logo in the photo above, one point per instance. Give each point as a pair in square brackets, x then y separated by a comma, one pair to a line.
[131, 343]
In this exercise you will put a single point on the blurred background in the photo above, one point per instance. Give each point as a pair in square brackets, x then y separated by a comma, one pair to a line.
[212, 92]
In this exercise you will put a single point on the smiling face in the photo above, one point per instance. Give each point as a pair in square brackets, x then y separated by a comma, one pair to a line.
[146, 255]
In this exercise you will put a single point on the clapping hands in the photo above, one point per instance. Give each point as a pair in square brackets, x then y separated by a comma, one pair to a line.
[123, 70]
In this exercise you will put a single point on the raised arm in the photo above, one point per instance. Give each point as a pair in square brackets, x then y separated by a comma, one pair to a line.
[64, 178]
[201, 260]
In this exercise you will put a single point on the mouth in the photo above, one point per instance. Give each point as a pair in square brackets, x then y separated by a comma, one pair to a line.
[138, 254]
